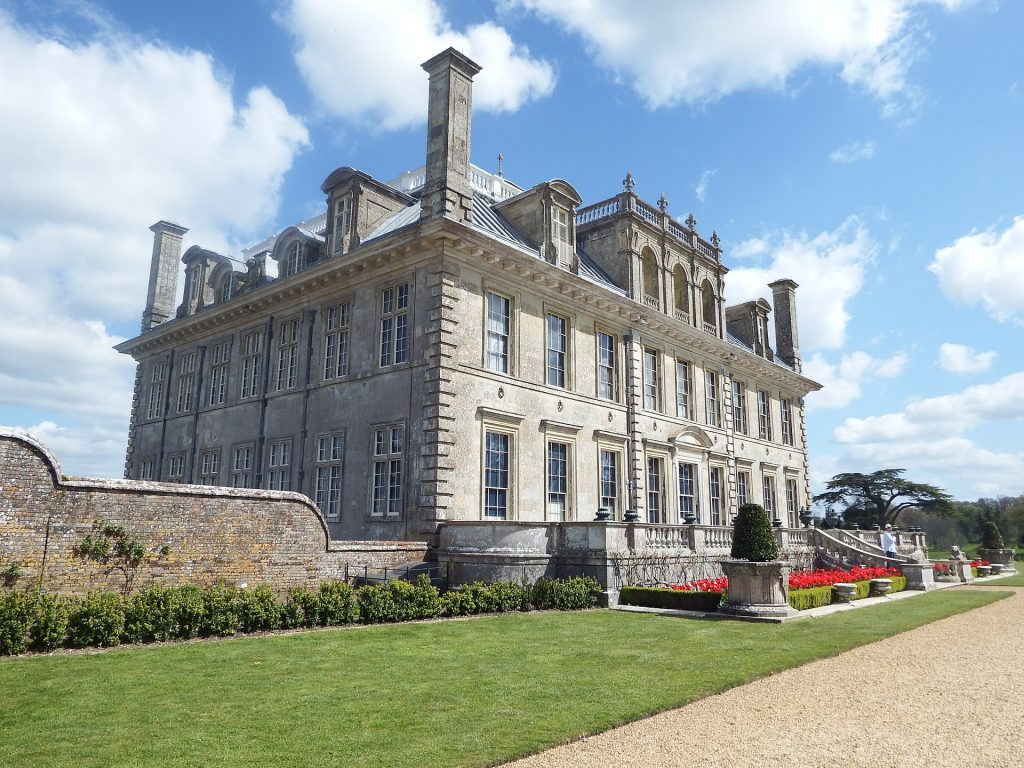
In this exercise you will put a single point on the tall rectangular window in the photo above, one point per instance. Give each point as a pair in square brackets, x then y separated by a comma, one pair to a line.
[146, 471]
[655, 501]
[791, 498]
[387, 470]
[279, 466]
[739, 407]
[605, 366]
[652, 383]
[220, 360]
[497, 454]
[209, 468]
[609, 480]
[155, 406]
[786, 412]
[176, 467]
[715, 482]
[687, 491]
[252, 363]
[342, 218]
[293, 262]
[287, 354]
[684, 390]
[742, 488]
[394, 325]
[557, 350]
[499, 326]
[329, 453]
[186, 381]
[559, 225]
[241, 467]
[336, 336]
[558, 480]
[711, 398]
[768, 491]
[764, 415]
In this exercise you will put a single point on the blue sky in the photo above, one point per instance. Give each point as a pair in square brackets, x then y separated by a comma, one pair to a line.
[870, 151]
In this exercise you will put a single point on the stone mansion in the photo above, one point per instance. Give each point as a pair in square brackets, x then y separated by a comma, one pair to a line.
[449, 348]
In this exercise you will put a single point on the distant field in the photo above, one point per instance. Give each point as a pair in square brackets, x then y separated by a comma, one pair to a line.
[451, 693]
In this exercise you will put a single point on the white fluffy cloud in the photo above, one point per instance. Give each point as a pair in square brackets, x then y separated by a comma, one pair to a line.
[852, 151]
[986, 268]
[100, 136]
[842, 381]
[695, 52]
[361, 59]
[828, 267]
[959, 358]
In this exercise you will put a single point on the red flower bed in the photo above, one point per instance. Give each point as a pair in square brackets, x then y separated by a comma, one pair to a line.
[798, 580]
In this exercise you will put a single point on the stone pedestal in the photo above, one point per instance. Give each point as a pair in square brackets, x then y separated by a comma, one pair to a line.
[844, 592]
[758, 590]
[920, 576]
[1003, 557]
[880, 587]
[962, 569]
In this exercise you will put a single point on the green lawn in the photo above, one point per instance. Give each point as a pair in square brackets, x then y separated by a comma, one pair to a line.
[466, 693]
[1016, 580]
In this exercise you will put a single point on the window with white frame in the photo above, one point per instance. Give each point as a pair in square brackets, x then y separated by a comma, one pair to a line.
[220, 359]
[764, 415]
[342, 220]
[146, 470]
[655, 484]
[176, 467]
[768, 494]
[388, 450]
[715, 478]
[394, 325]
[227, 287]
[252, 364]
[652, 381]
[293, 258]
[606, 366]
[279, 465]
[684, 390]
[791, 498]
[241, 466]
[712, 399]
[558, 480]
[742, 488]
[559, 225]
[327, 491]
[497, 473]
[558, 347]
[687, 477]
[186, 381]
[336, 339]
[155, 406]
[287, 354]
[609, 460]
[786, 413]
[209, 468]
[739, 407]
[499, 329]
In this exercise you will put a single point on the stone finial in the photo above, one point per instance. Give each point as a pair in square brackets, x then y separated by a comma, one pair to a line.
[627, 182]
[715, 240]
[501, 159]
[663, 203]
[691, 222]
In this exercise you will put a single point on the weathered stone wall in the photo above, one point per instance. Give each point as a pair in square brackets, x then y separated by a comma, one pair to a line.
[213, 534]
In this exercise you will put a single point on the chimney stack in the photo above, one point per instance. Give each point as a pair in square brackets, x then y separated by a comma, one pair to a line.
[786, 338]
[163, 273]
[446, 191]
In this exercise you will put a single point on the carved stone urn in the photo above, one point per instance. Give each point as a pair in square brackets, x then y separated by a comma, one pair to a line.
[759, 590]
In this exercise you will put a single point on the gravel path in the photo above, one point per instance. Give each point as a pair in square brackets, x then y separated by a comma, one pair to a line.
[945, 694]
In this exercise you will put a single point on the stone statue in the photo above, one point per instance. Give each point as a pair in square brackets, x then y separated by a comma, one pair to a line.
[956, 554]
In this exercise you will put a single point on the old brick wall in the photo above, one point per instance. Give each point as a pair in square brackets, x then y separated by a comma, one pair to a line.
[213, 534]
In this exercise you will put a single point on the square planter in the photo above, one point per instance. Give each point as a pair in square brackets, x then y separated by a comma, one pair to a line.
[759, 590]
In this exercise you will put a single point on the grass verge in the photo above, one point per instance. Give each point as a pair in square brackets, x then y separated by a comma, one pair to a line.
[452, 693]
[1016, 580]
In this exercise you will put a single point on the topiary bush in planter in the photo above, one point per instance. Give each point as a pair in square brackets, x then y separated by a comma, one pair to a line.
[753, 538]
[990, 536]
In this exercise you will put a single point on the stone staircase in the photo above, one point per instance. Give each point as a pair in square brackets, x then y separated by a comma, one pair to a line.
[836, 548]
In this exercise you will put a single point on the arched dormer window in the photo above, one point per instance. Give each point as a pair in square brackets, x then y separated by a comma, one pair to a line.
[649, 268]
[293, 261]
[681, 294]
[227, 287]
[709, 304]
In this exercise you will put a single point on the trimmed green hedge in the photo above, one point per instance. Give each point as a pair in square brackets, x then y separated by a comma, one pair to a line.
[38, 621]
[676, 599]
[812, 597]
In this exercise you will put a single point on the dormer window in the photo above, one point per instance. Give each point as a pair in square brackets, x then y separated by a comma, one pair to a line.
[294, 261]
[342, 221]
[193, 284]
[559, 225]
[227, 288]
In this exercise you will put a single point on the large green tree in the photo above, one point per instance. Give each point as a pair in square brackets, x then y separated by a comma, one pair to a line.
[881, 496]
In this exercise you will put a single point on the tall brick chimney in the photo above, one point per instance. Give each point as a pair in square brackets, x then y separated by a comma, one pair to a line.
[163, 273]
[787, 341]
[446, 191]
